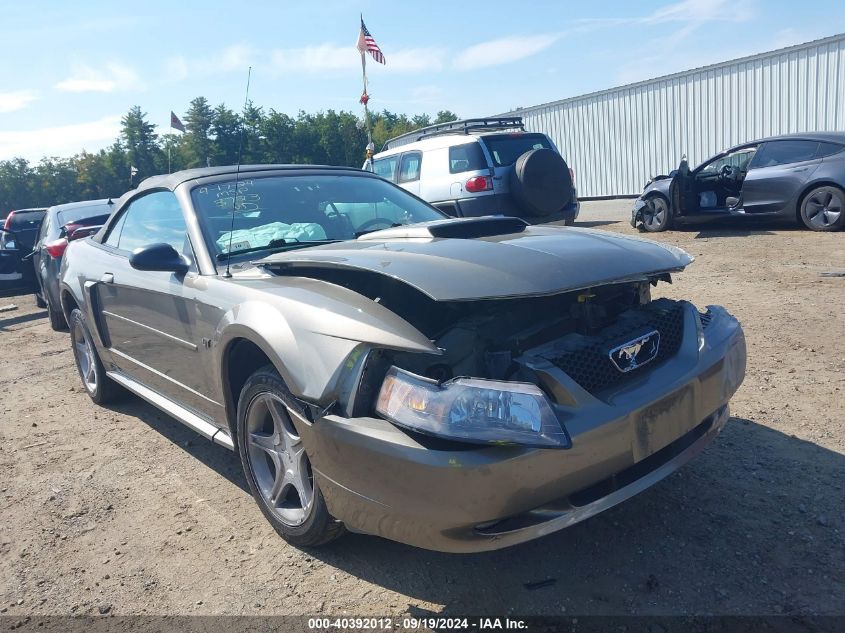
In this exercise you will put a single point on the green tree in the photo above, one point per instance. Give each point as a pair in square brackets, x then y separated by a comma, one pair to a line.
[225, 127]
[196, 145]
[140, 143]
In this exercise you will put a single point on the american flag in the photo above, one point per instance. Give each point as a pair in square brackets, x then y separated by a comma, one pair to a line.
[366, 44]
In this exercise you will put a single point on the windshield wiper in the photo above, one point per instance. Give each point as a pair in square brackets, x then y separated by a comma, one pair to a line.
[275, 246]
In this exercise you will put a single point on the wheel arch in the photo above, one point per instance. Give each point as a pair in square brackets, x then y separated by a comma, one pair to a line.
[823, 182]
[241, 357]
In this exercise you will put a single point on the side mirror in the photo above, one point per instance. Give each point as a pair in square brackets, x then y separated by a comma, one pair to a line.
[158, 257]
[82, 232]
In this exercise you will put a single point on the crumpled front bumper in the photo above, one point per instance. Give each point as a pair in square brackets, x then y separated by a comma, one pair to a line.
[379, 480]
[637, 212]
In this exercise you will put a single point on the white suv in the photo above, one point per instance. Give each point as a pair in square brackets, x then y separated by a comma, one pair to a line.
[481, 167]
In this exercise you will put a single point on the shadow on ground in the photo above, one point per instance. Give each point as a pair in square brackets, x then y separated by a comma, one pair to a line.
[730, 533]
[218, 458]
[10, 321]
[740, 530]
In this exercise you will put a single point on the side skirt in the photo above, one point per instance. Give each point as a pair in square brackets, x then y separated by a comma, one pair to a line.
[186, 417]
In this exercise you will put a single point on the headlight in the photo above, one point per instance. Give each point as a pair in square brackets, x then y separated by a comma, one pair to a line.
[471, 409]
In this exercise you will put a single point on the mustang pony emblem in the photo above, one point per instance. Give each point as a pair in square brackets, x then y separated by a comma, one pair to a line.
[636, 353]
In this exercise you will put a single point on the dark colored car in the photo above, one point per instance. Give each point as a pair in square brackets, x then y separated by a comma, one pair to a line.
[16, 239]
[60, 223]
[459, 384]
[800, 177]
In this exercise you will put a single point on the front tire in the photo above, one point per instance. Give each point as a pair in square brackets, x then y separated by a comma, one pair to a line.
[277, 466]
[823, 209]
[100, 388]
[656, 215]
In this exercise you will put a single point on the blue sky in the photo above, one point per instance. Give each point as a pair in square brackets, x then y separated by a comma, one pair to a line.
[70, 70]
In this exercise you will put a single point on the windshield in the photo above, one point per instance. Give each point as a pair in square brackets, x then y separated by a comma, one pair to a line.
[278, 212]
[506, 148]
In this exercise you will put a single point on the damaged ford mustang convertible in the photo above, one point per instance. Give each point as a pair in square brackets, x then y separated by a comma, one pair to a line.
[458, 384]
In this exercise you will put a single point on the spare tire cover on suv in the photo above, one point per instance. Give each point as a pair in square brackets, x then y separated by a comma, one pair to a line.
[540, 182]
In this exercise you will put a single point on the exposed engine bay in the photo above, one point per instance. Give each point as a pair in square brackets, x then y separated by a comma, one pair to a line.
[494, 339]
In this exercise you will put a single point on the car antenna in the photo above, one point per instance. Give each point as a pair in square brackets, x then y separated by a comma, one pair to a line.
[237, 176]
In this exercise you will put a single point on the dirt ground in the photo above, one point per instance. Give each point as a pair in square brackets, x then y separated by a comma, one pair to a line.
[124, 511]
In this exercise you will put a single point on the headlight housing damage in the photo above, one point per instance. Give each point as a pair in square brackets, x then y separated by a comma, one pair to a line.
[471, 410]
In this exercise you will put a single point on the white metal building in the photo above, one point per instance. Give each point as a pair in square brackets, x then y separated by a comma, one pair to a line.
[616, 139]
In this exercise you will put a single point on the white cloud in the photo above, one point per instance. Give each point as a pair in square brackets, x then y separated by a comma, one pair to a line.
[311, 58]
[502, 51]
[16, 100]
[701, 11]
[114, 76]
[62, 140]
[231, 58]
[331, 57]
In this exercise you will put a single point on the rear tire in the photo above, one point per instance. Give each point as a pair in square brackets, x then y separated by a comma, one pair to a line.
[100, 388]
[823, 209]
[276, 464]
[57, 317]
[656, 215]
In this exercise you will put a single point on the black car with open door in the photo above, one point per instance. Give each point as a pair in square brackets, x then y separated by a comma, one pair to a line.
[17, 235]
[800, 178]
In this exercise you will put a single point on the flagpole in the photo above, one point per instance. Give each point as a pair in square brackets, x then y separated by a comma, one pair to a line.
[366, 109]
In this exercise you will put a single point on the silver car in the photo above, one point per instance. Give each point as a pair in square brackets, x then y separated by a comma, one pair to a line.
[456, 384]
[477, 167]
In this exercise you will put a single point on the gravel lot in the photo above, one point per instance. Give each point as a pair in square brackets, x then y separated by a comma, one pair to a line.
[124, 511]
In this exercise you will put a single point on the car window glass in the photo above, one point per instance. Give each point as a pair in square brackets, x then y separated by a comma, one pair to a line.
[784, 152]
[828, 149]
[738, 160]
[113, 236]
[386, 167]
[466, 157]
[45, 228]
[506, 148]
[156, 217]
[409, 169]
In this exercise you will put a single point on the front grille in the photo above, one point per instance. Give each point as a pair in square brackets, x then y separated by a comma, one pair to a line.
[586, 359]
[705, 317]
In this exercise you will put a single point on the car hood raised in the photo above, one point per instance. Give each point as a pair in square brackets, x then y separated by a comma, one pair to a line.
[536, 261]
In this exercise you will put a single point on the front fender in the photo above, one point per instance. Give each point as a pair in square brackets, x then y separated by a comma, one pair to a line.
[309, 330]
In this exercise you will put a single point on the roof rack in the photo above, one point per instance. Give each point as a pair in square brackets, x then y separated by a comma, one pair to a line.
[456, 127]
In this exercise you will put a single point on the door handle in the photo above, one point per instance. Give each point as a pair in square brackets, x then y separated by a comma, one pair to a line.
[800, 169]
[107, 278]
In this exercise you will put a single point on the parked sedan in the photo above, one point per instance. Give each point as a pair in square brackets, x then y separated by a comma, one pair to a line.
[459, 384]
[16, 239]
[800, 177]
[60, 224]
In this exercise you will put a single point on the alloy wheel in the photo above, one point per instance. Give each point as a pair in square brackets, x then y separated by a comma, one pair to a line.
[824, 207]
[654, 213]
[279, 464]
[84, 352]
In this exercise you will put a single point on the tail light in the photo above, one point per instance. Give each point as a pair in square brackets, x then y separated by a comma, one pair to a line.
[572, 175]
[8, 224]
[56, 248]
[478, 183]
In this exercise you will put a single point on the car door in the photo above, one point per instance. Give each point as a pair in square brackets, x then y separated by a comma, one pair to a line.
[149, 317]
[39, 252]
[11, 279]
[776, 174]
[409, 172]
